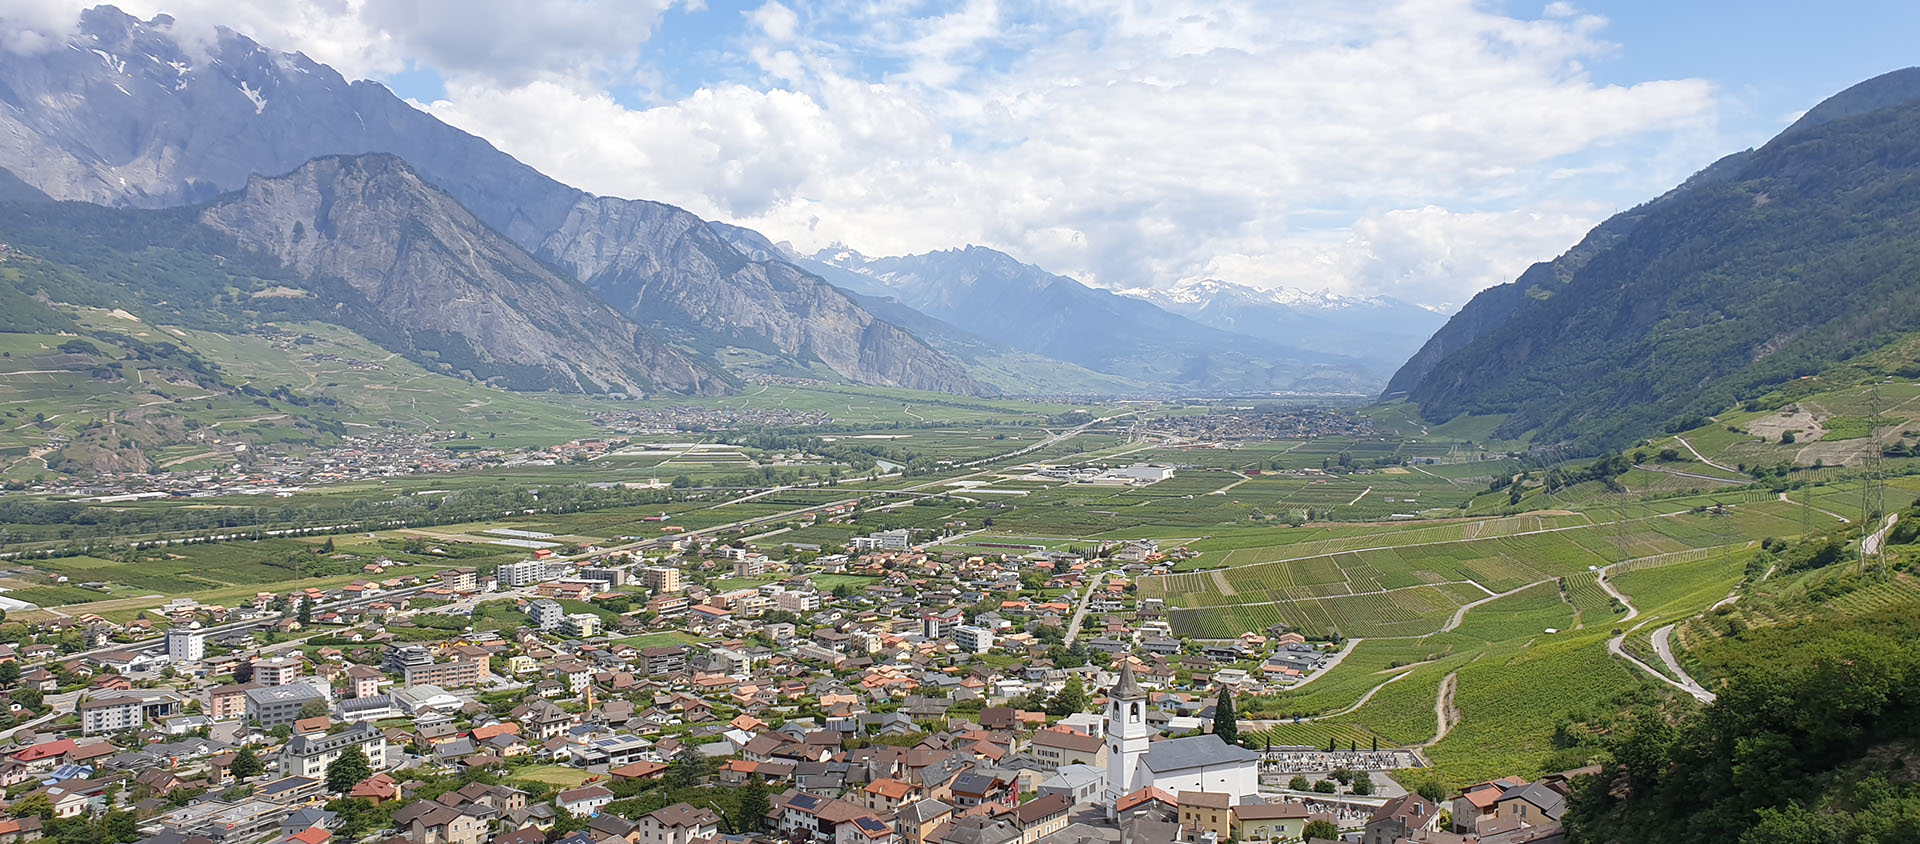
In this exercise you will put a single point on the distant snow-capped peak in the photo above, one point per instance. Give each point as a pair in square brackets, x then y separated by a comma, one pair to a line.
[841, 255]
[1201, 292]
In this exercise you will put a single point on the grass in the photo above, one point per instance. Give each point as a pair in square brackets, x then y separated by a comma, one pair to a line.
[560, 776]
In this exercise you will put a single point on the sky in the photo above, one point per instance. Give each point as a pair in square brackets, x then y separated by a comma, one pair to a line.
[1421, 150]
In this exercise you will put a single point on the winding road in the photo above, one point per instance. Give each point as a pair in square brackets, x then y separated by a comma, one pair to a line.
[1703, 458]
[1617, 647]
[1663, 645]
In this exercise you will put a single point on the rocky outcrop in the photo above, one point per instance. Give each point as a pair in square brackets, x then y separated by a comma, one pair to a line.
[370, 233]
[659, 264]
[125, 116]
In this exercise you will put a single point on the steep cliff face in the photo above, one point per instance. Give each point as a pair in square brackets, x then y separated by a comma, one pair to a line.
[367, 229]
[664, 266]
[124, 115]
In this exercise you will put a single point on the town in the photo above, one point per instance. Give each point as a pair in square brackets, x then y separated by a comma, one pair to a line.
[890, 694]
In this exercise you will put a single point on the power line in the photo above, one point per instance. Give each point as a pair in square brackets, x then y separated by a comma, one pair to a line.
[1873, 486]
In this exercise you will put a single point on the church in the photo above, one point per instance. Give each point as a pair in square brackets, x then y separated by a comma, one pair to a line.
[1196, 763]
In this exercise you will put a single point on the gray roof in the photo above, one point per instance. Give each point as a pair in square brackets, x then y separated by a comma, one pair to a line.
[1074, 776]
[285, 693]
[1193, 752]
[924, 811]
[1128, 688]
[1550, 802]
[975, 829]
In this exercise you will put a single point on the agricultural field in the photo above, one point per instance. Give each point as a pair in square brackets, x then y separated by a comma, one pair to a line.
[1475, 624]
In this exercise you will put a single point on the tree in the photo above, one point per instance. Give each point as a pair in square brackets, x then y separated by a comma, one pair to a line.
[753, 805]
[347, 770]
[1226, 724]
[313, 709]
[1035, 701]
[243, 672]
[246, 764]
[1432, 790]
[9, 674]
[1072, 698]
[689, 768]
[305, 617]
[33, 804]
[1299, 783]
[1362, 783]
[1324, 830]
[1326, 787]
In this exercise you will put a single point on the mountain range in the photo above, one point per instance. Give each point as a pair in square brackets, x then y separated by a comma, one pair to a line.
[123, 115]
[1022, 306]
[1378, 330]
[126, 116]
[1769, 265]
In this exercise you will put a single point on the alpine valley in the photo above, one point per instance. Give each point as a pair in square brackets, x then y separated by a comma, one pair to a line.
[126, 117]
[361, 484]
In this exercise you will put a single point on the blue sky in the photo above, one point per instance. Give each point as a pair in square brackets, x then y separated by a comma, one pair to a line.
[1420, 149]
[1771, 58]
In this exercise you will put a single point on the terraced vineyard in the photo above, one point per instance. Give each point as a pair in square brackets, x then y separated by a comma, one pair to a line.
[1592, 604]
[1408, 611]
[1419, 576]
[1313, 734]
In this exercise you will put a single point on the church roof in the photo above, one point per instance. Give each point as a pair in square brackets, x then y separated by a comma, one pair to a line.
[1128, 688]
[1193, 752]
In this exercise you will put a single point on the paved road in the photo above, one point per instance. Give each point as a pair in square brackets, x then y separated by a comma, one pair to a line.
[1843, 519]
[1080, 612]
[58, 705]
[159, 642]
[1703, 458]
[1663, 645]
[1617, 646]
[1460, 614]
[1871, 545]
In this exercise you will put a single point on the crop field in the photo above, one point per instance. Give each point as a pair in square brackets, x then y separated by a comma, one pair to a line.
[1502, 610]
[1313, 734]
[1407, 611]
[1388, 535]
[1412, 574]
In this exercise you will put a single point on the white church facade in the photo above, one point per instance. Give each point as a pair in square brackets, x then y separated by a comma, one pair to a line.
[1196, 763]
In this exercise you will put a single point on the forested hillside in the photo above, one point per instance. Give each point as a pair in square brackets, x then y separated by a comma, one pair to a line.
[1812, 739]
[1769, 266]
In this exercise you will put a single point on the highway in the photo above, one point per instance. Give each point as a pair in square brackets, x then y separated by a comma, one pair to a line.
[160, 642]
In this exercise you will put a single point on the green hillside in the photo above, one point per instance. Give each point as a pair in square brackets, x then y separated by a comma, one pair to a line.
[1771, 266]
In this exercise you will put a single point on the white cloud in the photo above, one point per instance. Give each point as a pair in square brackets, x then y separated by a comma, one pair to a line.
[504, 42]
[1422, 149]
[778, 22]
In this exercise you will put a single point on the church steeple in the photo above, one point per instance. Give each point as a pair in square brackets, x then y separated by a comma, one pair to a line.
[1128, 688]
[1127, 736]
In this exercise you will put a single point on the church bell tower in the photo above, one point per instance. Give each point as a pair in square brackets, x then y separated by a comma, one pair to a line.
[1127, 736]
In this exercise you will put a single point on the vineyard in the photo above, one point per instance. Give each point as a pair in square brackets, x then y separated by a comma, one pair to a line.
[1312, 734]
[1409, 581]
[1408, 611]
